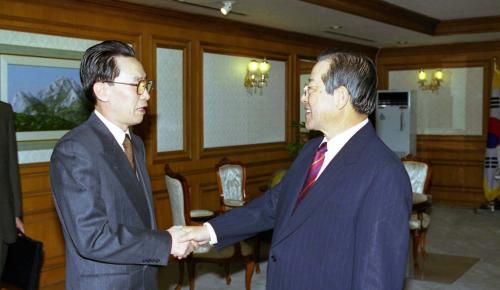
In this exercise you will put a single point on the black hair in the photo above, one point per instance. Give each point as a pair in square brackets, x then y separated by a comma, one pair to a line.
[99, 64]
[354, 71]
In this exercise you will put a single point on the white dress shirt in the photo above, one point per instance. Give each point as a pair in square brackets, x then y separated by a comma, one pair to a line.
[117, 132]
[334, 146]
[336, 143]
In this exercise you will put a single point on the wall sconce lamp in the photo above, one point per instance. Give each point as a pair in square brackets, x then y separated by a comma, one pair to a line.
[226, 8]
[257, 76]
[435, 82]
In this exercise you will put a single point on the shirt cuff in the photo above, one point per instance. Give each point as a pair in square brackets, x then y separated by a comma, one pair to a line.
[213, 236]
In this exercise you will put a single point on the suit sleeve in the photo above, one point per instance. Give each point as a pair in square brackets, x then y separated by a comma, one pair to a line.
[241, 223]
[13, 165]
[77, 193]
[382, 232]
[258, 215]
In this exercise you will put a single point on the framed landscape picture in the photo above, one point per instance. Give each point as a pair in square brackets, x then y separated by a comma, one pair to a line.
[45, 93]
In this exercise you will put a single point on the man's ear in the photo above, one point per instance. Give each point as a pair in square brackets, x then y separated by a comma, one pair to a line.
[343, 97]
[100, 89]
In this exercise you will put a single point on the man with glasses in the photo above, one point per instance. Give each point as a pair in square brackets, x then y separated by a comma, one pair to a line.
[340, 214]
[100, 182]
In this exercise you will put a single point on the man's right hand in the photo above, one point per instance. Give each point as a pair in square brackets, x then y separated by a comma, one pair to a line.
[181, 248]
[198, 234]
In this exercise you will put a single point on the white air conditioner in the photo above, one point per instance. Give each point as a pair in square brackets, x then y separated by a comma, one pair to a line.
[395, 120]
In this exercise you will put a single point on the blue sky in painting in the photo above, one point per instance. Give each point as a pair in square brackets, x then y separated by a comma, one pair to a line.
[35, 78]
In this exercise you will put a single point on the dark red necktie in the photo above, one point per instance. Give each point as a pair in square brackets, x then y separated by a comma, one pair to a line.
[129, 151]
[312, 173]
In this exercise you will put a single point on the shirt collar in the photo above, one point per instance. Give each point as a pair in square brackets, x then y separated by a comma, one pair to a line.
[341, 139]
[116, 131]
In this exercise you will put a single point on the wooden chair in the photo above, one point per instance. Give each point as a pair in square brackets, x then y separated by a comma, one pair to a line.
[178, 191]
[231, 182]
[420, 174]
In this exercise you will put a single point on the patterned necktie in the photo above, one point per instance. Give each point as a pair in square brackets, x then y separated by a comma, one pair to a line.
[313, 172]
[129, 151]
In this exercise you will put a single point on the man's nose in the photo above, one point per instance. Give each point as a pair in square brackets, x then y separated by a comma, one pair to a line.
[146, 95]
[303, 98]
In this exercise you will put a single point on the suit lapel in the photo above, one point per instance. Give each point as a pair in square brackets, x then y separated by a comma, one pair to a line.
[142, 172]
[292, 190]
[325, 185]
[118, 162]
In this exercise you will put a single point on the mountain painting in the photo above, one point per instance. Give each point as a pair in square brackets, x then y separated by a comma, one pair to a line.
[46, 98]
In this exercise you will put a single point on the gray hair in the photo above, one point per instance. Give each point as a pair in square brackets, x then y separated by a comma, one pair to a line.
[357, 73]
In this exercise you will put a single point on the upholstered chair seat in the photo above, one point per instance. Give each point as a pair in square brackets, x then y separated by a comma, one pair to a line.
[201, 213]
[228, 252]
[203, 249]
[233, 202]
[418, 198]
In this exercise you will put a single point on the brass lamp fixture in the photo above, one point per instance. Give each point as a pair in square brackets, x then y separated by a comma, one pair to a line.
[257, 76]
[435, 82]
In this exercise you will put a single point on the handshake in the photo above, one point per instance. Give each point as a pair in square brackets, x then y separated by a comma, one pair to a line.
[186, 239]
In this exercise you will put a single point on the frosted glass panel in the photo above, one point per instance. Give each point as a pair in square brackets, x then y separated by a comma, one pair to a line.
[456, 109]
[233, 117]
[169, 103]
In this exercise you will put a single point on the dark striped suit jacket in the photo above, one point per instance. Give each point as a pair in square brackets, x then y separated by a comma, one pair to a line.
[10, 188]
[350, 232]
[106, 212]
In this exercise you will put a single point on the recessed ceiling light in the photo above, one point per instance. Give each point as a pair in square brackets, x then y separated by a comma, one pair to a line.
[336, 27]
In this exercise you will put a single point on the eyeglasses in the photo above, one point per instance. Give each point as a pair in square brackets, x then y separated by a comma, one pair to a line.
[142, 85]
[309, 89]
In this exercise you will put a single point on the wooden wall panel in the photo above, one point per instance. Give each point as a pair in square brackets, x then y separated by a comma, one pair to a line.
[148, 28]
[457, 167]
[457, 161]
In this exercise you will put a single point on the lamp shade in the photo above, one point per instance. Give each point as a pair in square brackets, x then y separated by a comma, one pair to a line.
[438, 74]
[264, 67]
[422, 75]
[253, 66]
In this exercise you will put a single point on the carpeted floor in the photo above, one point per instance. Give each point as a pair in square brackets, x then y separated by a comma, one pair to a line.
[463, 247]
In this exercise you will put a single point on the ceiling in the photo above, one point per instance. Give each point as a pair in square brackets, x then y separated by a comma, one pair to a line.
[377, 23]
